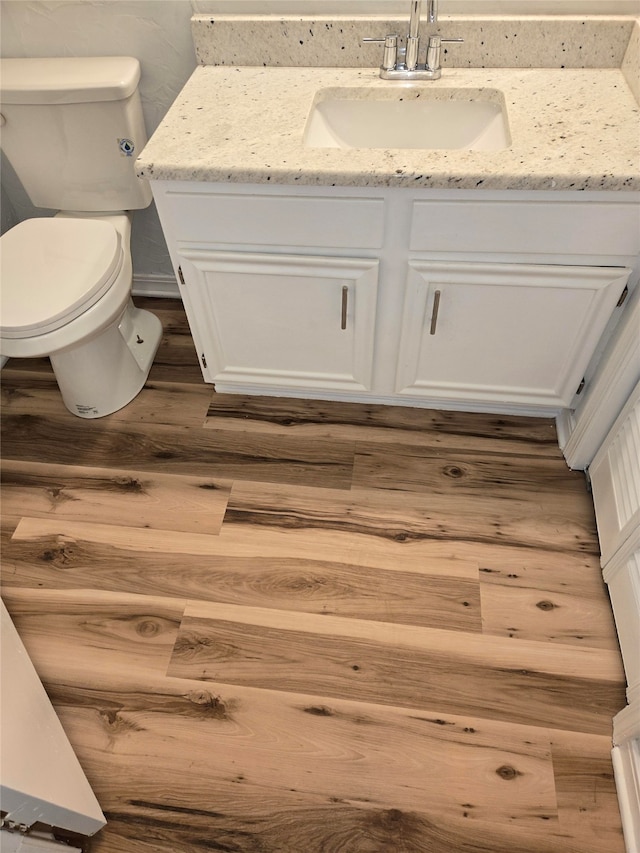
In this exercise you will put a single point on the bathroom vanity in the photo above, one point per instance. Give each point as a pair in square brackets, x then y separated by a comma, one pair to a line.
[458, 278]
[394, 295]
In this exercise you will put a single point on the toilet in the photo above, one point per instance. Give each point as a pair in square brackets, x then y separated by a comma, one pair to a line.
[71, 130]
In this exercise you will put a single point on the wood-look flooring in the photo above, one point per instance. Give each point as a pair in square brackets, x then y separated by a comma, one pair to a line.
[276, 626]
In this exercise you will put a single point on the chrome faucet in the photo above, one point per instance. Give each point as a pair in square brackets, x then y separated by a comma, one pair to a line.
[401, 63]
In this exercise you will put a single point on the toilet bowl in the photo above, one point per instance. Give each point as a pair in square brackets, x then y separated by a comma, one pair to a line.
[66, 294]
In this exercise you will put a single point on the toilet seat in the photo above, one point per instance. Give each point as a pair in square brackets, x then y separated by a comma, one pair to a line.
[53, 270]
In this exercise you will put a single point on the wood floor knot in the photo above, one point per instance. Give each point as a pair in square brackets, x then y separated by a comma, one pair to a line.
[148, 628]
[508, 773]
[455, 472]
[208, 702]
[394, 822]
[116, 724]
[319, 711]
[128, 484]
[60, 555]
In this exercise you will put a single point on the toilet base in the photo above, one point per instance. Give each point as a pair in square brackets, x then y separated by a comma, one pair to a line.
[103, 374]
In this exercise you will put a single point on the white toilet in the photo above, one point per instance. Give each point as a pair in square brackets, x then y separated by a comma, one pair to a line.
[71, 129]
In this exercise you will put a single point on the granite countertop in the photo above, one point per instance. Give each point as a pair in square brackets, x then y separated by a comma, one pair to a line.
[571, 129]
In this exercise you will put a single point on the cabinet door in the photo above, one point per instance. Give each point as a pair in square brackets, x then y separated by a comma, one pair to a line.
[283, 321]
[508, 333]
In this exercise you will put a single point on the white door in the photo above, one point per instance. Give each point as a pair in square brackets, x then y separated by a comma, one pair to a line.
[515, 333]
[41, 778]
[283, 321]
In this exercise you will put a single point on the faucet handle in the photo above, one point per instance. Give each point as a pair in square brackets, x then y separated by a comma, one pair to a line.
[433, 51]
[390, 55]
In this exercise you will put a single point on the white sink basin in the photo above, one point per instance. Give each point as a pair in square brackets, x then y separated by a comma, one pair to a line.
[408, 118]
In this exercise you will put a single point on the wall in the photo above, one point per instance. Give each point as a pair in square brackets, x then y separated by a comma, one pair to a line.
[158, 33]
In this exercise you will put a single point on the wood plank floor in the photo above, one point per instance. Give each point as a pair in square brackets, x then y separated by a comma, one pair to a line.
[275, 626]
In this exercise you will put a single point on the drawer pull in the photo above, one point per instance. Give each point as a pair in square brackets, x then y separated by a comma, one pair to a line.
[345, 301]
[434, 313]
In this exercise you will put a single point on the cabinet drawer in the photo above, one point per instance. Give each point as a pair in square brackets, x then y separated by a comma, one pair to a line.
[526, 227]
[276, 220]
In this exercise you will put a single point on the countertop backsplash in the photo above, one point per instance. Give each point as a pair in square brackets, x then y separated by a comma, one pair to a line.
[631, 62]
[489, 42]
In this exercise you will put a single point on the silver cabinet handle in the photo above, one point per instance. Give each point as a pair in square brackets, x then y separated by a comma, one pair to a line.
[434, 312]
[345, 301]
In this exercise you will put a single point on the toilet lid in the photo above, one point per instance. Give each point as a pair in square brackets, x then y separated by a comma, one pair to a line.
[53, 270]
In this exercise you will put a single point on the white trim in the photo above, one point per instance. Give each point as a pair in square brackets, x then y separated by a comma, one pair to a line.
[626, 724]
[564, 426]
[163, 286]
[385, 399]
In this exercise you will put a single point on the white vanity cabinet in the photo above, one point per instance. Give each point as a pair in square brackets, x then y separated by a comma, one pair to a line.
[489, 301]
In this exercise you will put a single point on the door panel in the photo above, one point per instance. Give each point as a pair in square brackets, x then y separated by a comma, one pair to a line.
[510, 332]
[285, 320]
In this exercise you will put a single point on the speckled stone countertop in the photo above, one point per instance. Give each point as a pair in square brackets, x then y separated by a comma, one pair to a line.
[571, 129]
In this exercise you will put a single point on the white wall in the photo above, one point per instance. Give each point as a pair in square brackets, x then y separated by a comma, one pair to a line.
[157, 32]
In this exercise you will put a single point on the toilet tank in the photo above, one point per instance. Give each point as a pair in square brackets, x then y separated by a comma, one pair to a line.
[72, 129]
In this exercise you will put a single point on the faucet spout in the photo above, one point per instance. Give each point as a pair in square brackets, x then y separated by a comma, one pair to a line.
[414, 18]
[413, 39]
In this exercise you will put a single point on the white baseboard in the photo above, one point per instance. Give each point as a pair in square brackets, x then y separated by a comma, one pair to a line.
[163, 286]
[564, 426]
[415, 402]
